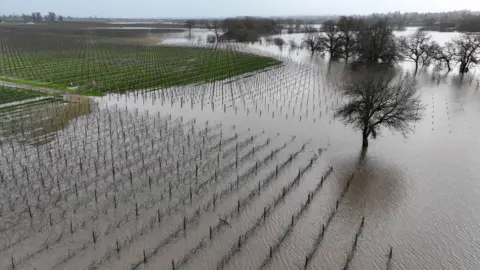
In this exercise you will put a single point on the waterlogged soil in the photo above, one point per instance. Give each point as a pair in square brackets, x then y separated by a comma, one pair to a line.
[247, 173]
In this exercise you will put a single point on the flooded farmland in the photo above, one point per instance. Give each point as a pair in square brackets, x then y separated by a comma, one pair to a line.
[250, 172]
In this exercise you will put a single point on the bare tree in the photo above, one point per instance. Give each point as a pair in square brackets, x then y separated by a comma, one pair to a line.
[380, 100]
[331, 39]
[216, 27]
[442, 55]
[349, 28]
[415, 47]
[313, 43]
[427, 58]
[189, 24]
[467, 51]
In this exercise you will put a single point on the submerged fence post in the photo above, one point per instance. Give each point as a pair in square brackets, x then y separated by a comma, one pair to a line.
[136, 210]
[94, 236]
[191, 195]
[390, 254]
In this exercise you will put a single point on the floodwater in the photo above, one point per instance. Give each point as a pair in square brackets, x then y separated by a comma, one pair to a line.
[417, 195]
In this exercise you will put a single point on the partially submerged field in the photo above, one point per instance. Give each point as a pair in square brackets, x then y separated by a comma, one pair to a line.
[128, 188]
[97, 65]
[251, 172]
[34, 117]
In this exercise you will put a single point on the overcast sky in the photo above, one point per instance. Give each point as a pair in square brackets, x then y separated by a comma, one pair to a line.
[218, 8]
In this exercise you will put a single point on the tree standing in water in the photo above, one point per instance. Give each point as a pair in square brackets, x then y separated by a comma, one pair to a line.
[349, 27]
[415, 46]
[467, 51]
[380, 100]
[331, 40]
[189, 24]
[313, 43]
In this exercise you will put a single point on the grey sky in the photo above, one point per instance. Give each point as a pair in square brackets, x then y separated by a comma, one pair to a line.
[217, 8]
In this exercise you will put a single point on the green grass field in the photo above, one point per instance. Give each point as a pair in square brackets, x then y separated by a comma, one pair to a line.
[94, 68]
[10, 94]
[13, 98]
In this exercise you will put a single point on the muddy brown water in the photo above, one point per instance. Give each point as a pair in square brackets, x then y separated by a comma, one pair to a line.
[418, 194]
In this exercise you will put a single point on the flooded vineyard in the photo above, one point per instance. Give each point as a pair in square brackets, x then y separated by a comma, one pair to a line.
[248, 172]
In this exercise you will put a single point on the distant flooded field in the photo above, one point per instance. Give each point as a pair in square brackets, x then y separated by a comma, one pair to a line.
[250, 171]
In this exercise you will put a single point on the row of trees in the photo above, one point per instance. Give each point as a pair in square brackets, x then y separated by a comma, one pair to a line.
[241, 29]
[246, 29]
[374, 43]
[37, 17]
[462, 20]
[350, 37]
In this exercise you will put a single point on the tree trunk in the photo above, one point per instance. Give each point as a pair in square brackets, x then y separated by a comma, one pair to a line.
[463, 68]
[346, 53]
[416, 67]
[365, 140]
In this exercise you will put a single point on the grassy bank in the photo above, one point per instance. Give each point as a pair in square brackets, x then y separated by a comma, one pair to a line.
[97, 67]
[12, 98]
[11, 94]
[53, 86]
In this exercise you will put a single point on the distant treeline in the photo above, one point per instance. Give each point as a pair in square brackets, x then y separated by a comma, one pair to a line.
[34, 17]
[463, 20]
[369, 42]
[246, 29]
[252, 28]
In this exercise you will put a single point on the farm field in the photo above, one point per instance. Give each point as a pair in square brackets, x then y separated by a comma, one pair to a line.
[95, 66]
[251, 171]
[98, 29]
[33, 117]
[10, 94]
